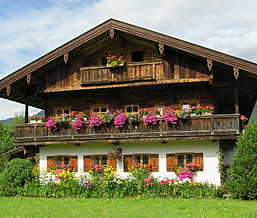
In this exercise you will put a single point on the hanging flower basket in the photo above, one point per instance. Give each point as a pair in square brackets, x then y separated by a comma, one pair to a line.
[115, 154]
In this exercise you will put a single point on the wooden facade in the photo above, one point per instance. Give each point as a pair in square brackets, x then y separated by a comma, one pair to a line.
[159, 71]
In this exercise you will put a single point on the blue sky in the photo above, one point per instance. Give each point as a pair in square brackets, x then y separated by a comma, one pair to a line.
[31, 28]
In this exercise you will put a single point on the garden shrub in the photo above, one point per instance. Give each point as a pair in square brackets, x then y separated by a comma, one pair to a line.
[14, 176]
[243, 170]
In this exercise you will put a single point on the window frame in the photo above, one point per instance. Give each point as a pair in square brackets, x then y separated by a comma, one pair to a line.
[190, 104]
[160, 109]
[188, 153]
[131, 105]
[141, 158]
[100, 159]
[99, 108]
[62, 156]
[62, 109]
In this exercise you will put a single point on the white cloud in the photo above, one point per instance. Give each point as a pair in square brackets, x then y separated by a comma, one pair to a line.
[33, 28]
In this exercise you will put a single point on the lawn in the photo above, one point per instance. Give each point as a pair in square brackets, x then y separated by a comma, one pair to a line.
[128, 207]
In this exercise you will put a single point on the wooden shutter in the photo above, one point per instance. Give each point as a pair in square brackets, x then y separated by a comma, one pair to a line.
[87, 159]
[127, 162]
[74, 163]
[170, 160]
[154, 161]
[50, 161]
[111, 163]
[198, 159]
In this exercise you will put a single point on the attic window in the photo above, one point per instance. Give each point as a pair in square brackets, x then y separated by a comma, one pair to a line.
[104, 61]
[137, 56]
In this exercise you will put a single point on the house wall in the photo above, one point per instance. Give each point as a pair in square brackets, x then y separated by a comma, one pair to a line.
[208, 148]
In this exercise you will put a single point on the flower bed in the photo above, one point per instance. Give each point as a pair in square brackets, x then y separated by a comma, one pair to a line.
[102, 181]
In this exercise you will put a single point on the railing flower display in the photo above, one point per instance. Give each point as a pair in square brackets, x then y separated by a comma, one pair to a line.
[52, 124]
[243, 121]
[170, 117]
[108, 117]
[113, 61]
[35, 119]
[120, 120]
[95, 120]
[184, 114]
[79, 123]
[134, 118]
[150, 118]
[199, 110]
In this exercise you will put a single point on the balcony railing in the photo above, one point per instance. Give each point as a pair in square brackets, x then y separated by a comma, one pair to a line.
[197, 128]
[131, 72]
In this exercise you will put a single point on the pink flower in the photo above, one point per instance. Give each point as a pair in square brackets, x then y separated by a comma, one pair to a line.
[144, 186]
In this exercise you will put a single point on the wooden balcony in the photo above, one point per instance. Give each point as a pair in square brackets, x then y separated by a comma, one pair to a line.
[131, 72]
[212, 127]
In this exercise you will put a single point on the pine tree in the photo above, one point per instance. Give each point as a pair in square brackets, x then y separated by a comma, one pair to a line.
[243, 170]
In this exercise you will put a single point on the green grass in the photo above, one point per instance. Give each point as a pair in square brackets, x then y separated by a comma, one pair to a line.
[128, 207]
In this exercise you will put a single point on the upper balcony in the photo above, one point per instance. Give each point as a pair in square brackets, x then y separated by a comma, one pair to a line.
[131, 72]
[212, 127]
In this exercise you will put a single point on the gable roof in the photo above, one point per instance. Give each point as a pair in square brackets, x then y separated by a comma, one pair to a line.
[101, 31]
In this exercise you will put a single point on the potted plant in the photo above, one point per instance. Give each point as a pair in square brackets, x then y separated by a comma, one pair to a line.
[170, 117]
[120, 120]
[184, 114]
[150, 118]
[157, 113]
[113, 61]
[207, 110]
[134, 118]
[79, 123]
[37, 119]
[52, 124]
[115, 154]
[197, 110]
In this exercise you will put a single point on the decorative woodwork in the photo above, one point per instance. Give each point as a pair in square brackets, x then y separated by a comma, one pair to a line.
[236, 72]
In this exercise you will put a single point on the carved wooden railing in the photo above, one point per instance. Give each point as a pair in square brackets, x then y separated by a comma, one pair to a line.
[198, 127]
[130, 72]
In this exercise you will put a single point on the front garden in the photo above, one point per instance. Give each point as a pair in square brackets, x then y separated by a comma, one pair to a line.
[102, 181]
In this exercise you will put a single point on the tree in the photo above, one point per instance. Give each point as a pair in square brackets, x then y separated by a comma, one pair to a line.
[7, 133]
[243, 170]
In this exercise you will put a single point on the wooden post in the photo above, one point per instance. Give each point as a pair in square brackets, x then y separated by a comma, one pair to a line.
[236, 98]
[27, 109]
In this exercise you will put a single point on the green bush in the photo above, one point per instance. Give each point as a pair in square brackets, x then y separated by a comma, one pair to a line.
[15, 175]
[243, 170]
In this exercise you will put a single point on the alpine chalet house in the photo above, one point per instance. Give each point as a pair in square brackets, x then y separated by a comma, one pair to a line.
[159, 72]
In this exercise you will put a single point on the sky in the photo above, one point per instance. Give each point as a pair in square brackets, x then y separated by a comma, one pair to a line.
[30, 29]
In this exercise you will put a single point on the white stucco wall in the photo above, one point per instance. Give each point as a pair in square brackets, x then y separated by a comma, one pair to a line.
[208, 148]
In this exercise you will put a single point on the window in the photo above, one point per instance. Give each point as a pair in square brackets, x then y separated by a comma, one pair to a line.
[60, 160]
[130, 159]
[131, 108]
[89, 160]
[62, 112]
[189, 105]
[183, 158]
[101, 159]
[104, 61]
[137, 56]
[141, 159]
[63, 159]
[100, 110]
[159, 108]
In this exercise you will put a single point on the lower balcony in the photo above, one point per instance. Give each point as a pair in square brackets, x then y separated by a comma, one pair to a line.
[213, 127]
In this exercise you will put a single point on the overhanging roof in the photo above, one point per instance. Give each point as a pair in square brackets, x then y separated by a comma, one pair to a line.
[56, 56]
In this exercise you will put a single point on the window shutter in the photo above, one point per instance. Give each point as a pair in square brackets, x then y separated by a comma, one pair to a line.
[74, 163]
[199, 159]
[87, 162]
[111, 163]
[127, 162]
[50, 161]
[154, 161]
[170, 160]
